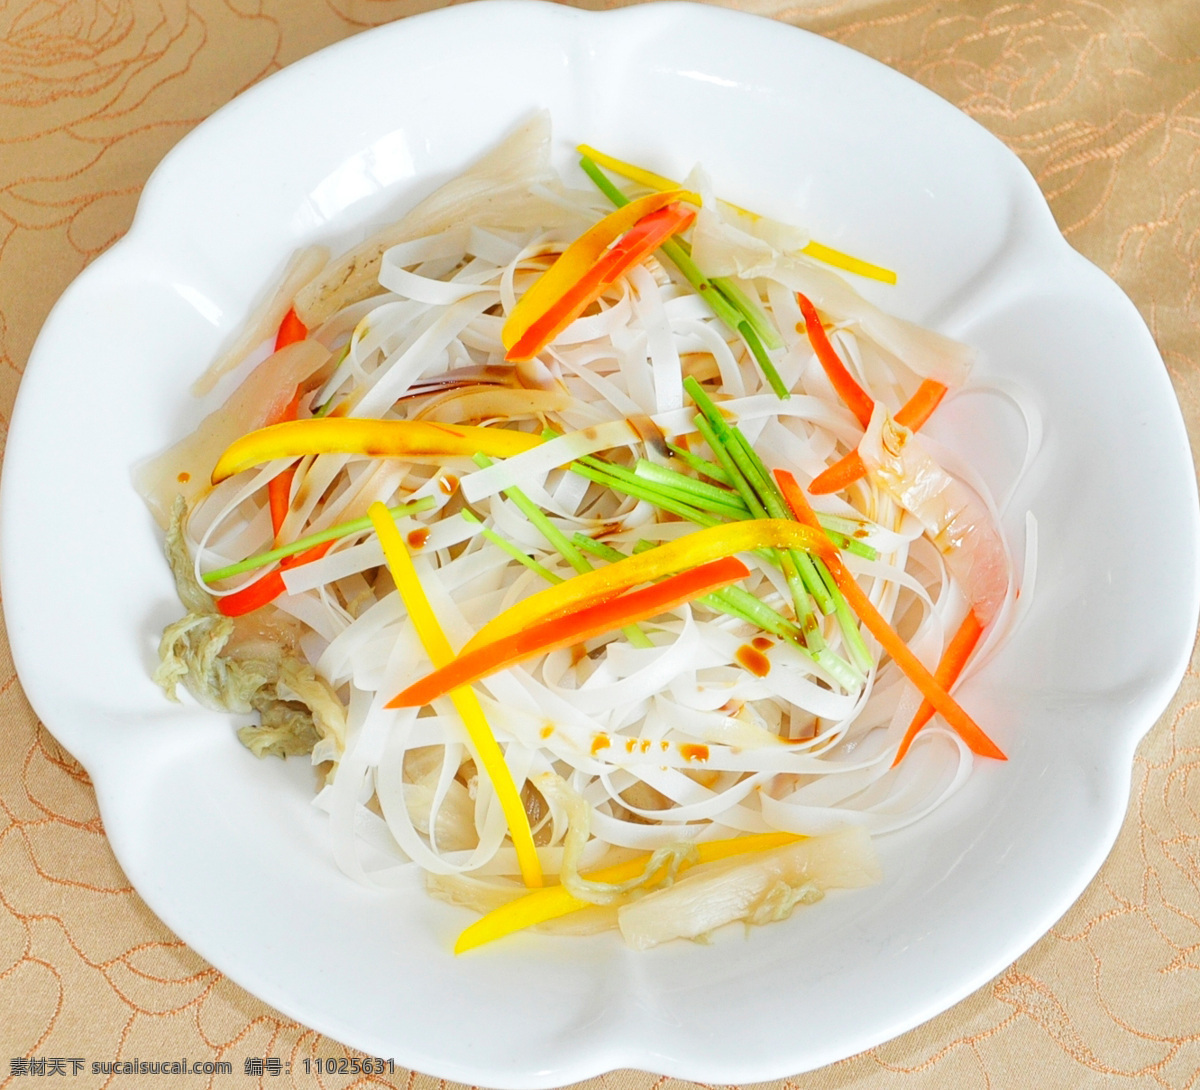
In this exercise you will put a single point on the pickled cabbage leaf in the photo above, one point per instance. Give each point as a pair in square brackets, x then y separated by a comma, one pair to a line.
[232, 665]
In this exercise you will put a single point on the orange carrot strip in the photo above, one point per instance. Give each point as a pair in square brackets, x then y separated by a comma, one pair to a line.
[857, 400]
[954, 658]
[966, 727]
[912, 414]
[798, 503]
[270, 586]
[842, 474]
[573, 628]
[919, 408]
[887, 636]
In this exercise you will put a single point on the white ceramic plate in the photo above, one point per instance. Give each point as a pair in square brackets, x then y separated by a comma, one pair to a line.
[228, 851]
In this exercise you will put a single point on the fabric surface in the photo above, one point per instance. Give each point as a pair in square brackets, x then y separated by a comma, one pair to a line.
[1100, 98]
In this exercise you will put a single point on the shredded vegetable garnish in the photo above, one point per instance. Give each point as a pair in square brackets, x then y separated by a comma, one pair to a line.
[410, 439]
[811, 248]
[578, 528]
[556, 901]
[466, 703]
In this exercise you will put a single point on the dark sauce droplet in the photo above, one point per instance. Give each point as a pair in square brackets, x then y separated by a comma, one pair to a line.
[753, 660]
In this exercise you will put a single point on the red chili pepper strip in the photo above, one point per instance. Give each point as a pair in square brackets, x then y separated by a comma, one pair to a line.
[954, 658]
[857, 400]
[291, 330]
[279, 498]
[641, 240]
[887, 636]
[279, 489]
[912, 414]
[582, 625]
[270, 586]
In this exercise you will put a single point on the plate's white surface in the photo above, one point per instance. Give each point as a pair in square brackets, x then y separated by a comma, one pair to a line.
[227, 849]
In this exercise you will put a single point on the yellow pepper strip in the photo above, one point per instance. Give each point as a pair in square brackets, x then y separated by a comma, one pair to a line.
[466, 703]
[814, 250]
[554, 901]
[852, 264]
[690, 551]
[577, 259]
[376, 438]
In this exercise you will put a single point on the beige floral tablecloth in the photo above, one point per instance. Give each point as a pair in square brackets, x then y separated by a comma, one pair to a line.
[1100, 98]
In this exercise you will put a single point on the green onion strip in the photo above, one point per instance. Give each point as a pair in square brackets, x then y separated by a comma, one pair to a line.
[345, 529]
